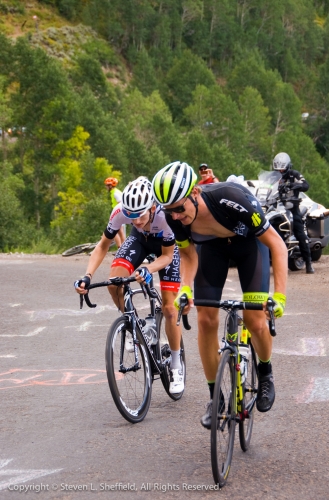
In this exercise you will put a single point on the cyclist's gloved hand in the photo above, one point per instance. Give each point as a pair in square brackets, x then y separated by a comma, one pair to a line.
[145, 273]
[280, 304]
[184, 290]
[85, 280]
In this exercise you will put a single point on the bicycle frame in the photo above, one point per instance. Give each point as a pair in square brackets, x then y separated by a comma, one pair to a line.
[132, 317]
[231, 342]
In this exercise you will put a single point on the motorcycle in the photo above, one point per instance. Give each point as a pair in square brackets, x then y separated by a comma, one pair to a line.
[277, 209]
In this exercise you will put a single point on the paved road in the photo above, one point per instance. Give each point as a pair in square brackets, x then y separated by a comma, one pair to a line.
[60, 431]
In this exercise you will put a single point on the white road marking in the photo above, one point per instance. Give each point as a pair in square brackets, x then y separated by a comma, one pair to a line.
[52, 313]
[8, 356]
[84, 327]
[316, 391]
[15, 305]
[18, 476]
[30, 334]
[305, 347]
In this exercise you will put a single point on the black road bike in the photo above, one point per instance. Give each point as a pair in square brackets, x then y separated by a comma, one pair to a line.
[137, 351]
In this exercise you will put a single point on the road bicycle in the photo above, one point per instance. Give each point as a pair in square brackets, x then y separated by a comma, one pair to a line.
[137, 351]
[83, 248]
[236, 385]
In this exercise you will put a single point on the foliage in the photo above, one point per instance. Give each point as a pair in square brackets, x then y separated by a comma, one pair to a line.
[132, 86]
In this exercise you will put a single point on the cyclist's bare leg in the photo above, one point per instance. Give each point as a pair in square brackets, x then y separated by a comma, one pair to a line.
[116, 291]
[208, 323]
[173, 331]
[262, 341]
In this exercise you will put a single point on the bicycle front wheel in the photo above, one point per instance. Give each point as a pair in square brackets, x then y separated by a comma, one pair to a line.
[130, 385]
[165, 354]
[223, 419]
[85, 247]
[249, 400]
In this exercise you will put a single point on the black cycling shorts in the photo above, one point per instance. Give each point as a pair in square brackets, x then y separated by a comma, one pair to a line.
[135, 249]
[250, 256]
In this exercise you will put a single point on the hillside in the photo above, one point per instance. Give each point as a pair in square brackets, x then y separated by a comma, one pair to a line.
[91, 88]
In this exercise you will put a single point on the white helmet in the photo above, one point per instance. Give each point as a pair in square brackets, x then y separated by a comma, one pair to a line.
[137, 197]
[282, 162]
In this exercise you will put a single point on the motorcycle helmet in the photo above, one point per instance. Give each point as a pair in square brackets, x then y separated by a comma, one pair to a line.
[282, 162]
[137, 197]
[173, 182]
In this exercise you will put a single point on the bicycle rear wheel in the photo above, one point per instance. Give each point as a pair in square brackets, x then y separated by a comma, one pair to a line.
[223, 419]
[249, 400]
[164, 348]
[131, 387]
[85, 247]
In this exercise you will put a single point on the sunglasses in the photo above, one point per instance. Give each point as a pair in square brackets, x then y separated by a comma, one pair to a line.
[203, 169]
[133, 215]
[177, 210]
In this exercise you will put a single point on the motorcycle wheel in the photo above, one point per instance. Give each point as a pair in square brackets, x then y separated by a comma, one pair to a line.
[296, 263]
[316, 254]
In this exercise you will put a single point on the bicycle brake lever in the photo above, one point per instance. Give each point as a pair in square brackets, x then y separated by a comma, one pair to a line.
[271, 323]
[143, 287]
[183, 302]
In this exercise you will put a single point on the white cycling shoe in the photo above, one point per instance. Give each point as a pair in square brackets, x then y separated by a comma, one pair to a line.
[129, 343]
[176, 381]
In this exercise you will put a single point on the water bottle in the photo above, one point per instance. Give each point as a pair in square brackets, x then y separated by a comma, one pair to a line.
[150, 329]
[244, 358]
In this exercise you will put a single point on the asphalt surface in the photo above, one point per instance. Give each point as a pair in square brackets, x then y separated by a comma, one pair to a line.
[62, 436]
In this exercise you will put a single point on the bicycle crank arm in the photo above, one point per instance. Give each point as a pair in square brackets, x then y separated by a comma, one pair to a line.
[134, 368]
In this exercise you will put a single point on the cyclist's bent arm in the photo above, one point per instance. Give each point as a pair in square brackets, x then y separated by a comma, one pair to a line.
[279, 257]
[160, 262]
[163, 260]
[95, 259]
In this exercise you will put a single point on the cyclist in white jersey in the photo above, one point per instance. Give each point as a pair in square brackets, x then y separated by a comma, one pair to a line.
[150, 234]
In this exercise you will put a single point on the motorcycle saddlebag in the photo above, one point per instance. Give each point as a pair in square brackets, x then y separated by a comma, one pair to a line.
[318, 227]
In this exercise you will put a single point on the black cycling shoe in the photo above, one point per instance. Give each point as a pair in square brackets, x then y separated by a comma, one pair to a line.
[206, 418]
[266, 390]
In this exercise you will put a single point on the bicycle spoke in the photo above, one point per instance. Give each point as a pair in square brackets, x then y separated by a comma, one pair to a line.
[131, 390]
[223, 420]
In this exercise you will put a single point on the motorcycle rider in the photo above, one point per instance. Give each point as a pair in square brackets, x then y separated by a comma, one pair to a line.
[292, 180]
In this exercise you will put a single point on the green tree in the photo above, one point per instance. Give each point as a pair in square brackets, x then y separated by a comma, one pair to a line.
[186, 73]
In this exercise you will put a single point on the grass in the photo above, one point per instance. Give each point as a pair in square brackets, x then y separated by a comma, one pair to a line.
[18, 24]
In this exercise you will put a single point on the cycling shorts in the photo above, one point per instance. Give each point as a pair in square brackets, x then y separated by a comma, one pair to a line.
[135, 249]
[250, 256]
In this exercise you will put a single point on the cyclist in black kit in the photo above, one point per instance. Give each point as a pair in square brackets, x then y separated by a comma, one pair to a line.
[293, 182]
[213, 224]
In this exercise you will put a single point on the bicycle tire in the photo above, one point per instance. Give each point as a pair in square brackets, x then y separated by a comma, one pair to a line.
[249, 399]
[85, 247]
[165, 352]
[131, 391]
[223, 419]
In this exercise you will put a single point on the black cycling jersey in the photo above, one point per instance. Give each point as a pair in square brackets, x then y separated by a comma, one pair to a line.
[233, 206]
[236, 209]
[134, 250]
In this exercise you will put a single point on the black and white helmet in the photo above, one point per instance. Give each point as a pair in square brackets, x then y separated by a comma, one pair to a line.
[137, 196]
[282, 162]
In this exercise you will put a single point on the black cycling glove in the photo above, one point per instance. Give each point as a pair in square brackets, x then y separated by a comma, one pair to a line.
[85, 280]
